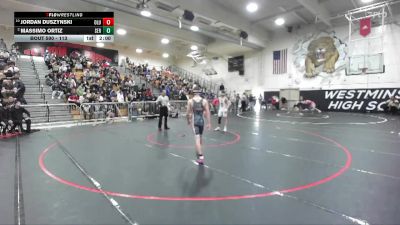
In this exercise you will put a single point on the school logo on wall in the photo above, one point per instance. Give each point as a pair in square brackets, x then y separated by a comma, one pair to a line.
[319, 54]
[351, 100]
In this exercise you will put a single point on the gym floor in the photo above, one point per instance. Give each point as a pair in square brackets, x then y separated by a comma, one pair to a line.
[270, 168]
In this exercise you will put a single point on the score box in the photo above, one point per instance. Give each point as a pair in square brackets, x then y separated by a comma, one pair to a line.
[108, 21]
[108, 30]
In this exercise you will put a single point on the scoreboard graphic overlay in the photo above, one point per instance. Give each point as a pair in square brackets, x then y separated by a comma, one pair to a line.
[64, 26]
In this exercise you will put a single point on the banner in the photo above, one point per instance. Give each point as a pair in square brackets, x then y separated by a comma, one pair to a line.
[351, 100]
[347, 100]
[365, 26]
[62, 48]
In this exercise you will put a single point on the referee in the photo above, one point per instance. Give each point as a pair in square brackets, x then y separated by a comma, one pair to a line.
[163, 102]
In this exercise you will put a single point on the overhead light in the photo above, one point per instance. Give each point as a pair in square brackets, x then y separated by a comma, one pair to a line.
[139, 50]
[145, 13]
[280, 21]
[164, 41]
[165, 55]
[194, 47]
[121, 31]
[366, 1]
[194, 28]
[100, 45]
[252, 7]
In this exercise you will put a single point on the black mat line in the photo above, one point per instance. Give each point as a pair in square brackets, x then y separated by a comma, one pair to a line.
[19, 212]
[96, 184]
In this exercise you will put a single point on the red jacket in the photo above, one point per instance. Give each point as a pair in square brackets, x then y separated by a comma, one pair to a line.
[73, 98]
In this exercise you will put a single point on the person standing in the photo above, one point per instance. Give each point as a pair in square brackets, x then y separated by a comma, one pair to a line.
[163, 102]
[3, 45]
[237, 100]
[222, 87]
[244, 102]
[197, 109]
[224, 104]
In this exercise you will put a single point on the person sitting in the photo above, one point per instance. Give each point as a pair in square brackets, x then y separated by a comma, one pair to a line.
[19, 89]
[3, 120]
[12, 72]
[78, 66]
[392, 105]
[57, 90]
[3, 59]
[50, 78]
[73, 97]
[173, 111]
[17, 116]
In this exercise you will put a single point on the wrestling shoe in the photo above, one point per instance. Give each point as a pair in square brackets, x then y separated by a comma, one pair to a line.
[217, 128]
[200, 160]
[225, 129]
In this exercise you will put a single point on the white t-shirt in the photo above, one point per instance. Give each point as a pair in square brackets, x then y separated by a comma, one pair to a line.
[13, 69]
[223, 103]
[164, 100]
[120, 97]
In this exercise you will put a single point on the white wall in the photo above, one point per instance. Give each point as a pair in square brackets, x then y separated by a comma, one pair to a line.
[231, 80]
[258, 66]
[338, 80]
[7, 33]
[143, 58]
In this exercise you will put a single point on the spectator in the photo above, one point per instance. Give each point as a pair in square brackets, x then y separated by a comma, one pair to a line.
[73, 97]
[392, 105]
[12, 72]
[3, 120]
[222, 87]
[120, 96]
[100, 80]
[57, 91]
[244, 102]
[3, 45]
[19, 89]
[284, 105]
[17, 116]
[215, 103]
